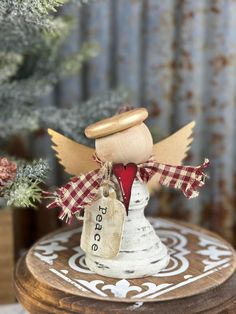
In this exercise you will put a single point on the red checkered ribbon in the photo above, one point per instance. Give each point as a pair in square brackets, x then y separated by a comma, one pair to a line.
[82, 190]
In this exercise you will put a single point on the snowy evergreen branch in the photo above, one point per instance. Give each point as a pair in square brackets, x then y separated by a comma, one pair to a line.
[27, 90]
[32, 14]
[71, 121]
[9, 63]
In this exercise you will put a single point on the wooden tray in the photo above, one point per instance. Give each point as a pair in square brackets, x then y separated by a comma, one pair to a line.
[53, 278]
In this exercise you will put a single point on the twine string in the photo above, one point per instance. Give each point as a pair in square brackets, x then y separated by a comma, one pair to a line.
[107, 182]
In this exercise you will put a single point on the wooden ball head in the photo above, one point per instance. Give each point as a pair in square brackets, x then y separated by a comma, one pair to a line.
[131, 145]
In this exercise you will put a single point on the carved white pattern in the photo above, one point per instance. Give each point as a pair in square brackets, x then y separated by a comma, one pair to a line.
[177, 250]
[215, 255]
[215, 251]
[121, 288]
[152, 287]
[62, 237]
[67, 279]
[77, 261]
[48, 250]
[92, 285]
[49, 246]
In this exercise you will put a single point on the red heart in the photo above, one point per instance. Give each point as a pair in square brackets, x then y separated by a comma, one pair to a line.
[125, 175]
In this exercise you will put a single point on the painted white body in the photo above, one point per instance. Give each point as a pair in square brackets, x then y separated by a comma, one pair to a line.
[141, 253]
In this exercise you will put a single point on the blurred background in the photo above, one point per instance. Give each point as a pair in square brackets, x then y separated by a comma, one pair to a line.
[175, 57]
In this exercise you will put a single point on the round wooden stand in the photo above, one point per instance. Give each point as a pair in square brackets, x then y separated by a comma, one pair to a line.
[200, 278]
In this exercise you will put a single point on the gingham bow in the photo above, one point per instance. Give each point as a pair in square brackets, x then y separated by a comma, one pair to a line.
[82, 190]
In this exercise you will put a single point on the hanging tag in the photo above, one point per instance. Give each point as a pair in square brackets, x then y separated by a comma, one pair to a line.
[103, 226]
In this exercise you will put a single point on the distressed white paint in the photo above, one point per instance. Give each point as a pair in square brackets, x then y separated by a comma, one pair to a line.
[139, 243]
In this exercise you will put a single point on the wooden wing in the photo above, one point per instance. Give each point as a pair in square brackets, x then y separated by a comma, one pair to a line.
[74, 157]
[172, 150]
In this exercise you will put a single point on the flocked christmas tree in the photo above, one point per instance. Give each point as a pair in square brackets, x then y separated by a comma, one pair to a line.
[30, 65]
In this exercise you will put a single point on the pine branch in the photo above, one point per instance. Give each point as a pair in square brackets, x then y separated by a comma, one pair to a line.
[20, 37]
[27, 90]
[37, 64]
[24, 91]
[9, 64]
[32, 12]
[70, 121]
[25, 18]
[73, 120]
[24, 24]
[16, 120]
[73, 63]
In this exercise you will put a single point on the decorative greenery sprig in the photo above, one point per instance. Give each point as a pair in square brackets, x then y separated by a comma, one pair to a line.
[21, 188]
[25, 194]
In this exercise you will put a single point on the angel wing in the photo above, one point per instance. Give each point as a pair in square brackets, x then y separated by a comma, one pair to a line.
[74, 157]
[172, 150]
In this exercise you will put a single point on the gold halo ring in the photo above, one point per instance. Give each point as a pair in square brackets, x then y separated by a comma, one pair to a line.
[116, 123]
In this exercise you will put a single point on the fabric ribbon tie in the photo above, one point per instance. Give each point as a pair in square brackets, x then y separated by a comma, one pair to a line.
[82, 190]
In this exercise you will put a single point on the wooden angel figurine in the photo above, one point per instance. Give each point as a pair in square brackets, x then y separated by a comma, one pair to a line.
[110, 185]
